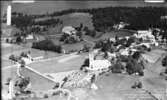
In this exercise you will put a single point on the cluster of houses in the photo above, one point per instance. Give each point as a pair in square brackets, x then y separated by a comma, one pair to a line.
[23, 58]
[71, 34]
[119, 26]
[98, 66]
[12, 34]
[147, 40]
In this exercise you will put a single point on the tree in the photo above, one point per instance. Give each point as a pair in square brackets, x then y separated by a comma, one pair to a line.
[22, 63]
[81, 25]
[117, 68]
[64, 81]
[79, 34]
[7, 40]
[85, 64]
[86, 29]
[12, 57]
[166, 70]
[136, 55]
[133, 66]
[164, 61]
[18, 39]
[47, 45]
[86, 48]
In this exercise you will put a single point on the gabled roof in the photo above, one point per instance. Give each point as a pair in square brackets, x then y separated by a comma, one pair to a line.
[68, 29]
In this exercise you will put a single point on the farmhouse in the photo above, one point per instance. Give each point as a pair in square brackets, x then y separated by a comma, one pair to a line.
[121, 25]
[69, 30]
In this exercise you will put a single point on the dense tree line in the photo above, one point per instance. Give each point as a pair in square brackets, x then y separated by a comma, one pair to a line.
[22, 21]
[26, 21]
[103, 19]
[48, 22]
[47, 45]
[138, 18]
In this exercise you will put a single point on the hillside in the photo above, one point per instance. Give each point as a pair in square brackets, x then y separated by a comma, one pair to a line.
[73, 19]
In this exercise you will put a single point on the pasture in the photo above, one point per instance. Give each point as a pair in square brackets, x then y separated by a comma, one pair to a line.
[73, 19]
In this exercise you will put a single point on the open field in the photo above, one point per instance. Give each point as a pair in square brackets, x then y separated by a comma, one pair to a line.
[73, 19]
[6, 63]
[9, 49]
[55, 65]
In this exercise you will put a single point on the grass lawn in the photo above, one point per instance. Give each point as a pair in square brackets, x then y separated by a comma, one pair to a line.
[38, 82]
[6, 63]
[75, 46]
[9, 73]
[52, 66]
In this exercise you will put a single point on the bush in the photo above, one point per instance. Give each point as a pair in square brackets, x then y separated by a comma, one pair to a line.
[124, 58]
[7, 40]
[117, 68]
[22, 63]
[91, 33]
[23, 55]
[136, 55]
[86, 48]
[18, 39]
[63, 37]
[166, 70]
[45, 96]
[12, 57]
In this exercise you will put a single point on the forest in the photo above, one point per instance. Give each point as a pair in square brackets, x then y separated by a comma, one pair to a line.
[138, 18]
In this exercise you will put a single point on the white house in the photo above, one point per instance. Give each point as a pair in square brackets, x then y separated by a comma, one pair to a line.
[69, 30]
[121, 25]
[140, 32]
[146, 35]
[98, 65]
[29, 37]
